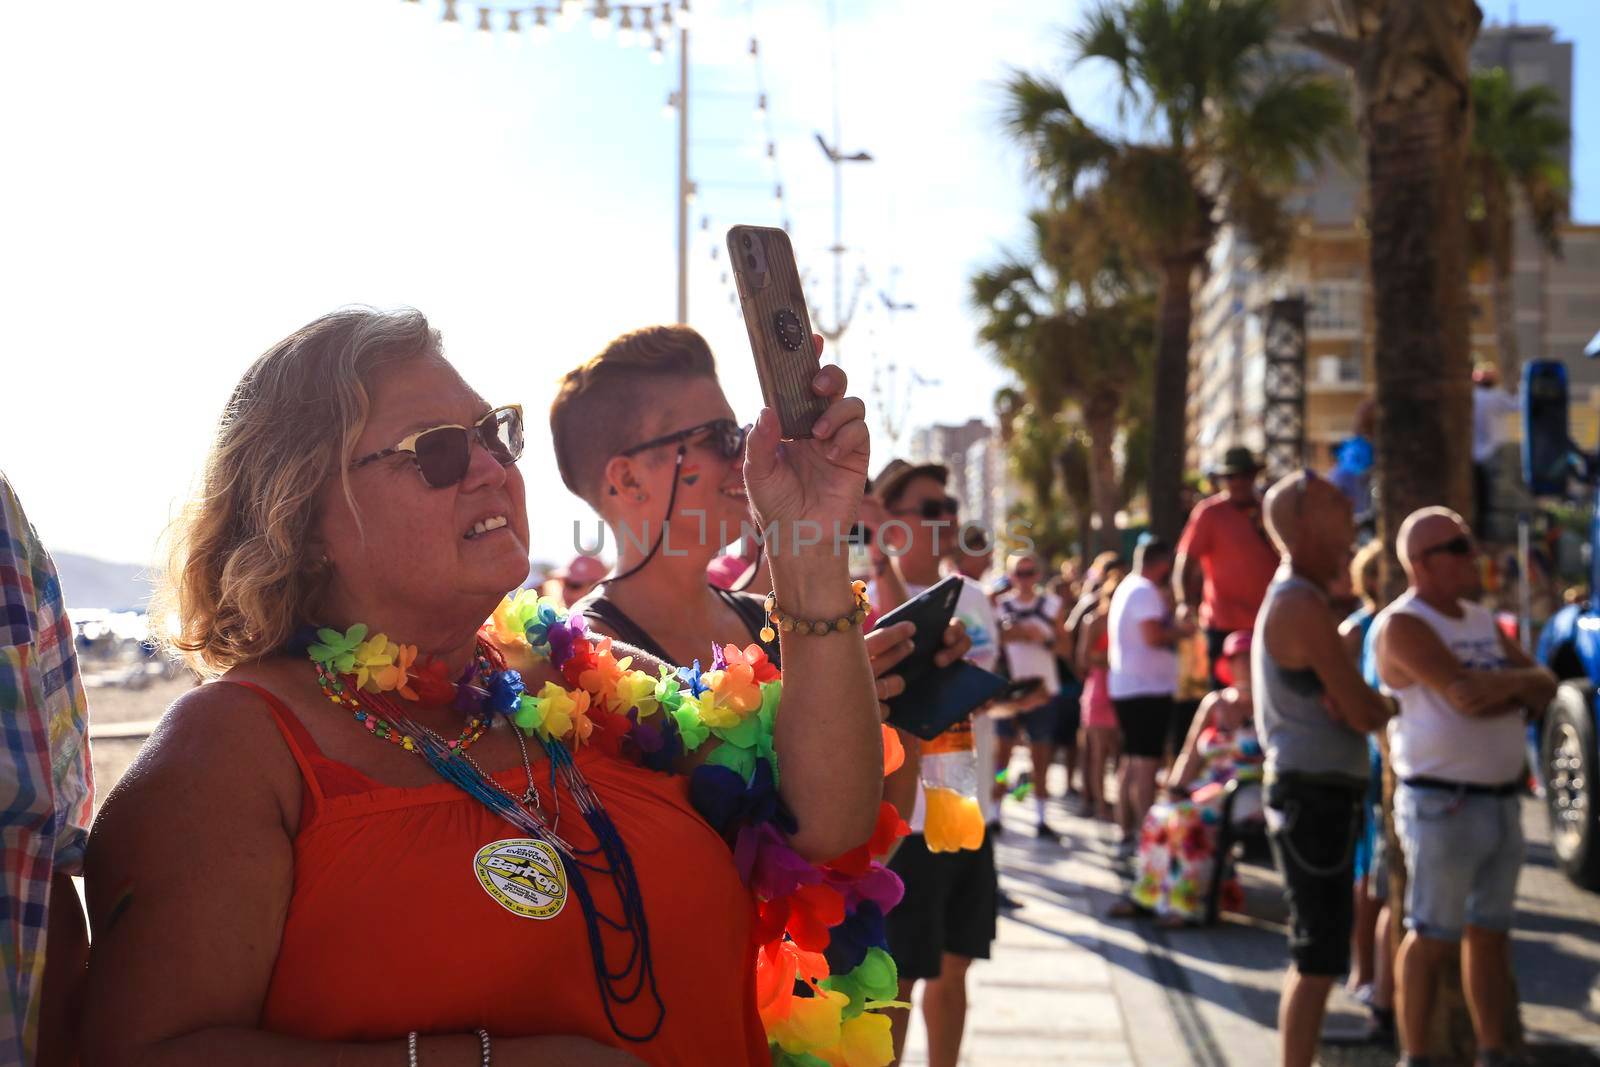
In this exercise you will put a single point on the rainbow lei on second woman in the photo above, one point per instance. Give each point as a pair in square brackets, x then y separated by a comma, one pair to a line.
[813, 1018]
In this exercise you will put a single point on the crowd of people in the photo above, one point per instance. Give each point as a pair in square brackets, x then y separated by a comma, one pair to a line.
[422, 814]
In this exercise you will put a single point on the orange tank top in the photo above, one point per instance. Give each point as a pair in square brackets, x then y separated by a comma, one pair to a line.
[404, 915]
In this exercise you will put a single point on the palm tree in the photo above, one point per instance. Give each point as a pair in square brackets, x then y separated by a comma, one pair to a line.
[1073, 321]
[1413, 106]
[1227, 126]
[1517, 138]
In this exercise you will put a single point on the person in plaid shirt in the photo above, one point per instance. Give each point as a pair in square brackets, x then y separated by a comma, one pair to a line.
[46, 797]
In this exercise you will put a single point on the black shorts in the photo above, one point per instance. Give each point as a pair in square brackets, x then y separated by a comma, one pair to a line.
[1178, 725]
[1315, 849]
[949, 906]
[1215, 639]
[1144, 722]
[1069, 714]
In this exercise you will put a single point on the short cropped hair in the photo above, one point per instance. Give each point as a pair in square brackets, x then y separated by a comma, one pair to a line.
[243, 571]
[593, 416]
[1150, 550]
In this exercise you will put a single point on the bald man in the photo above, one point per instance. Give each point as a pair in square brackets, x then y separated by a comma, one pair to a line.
[1312, 714]
[1465, 692]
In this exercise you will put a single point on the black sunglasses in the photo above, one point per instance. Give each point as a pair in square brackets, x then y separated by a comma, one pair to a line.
[1460, 545]
[932, 509]
[725, 435]
[442, 454]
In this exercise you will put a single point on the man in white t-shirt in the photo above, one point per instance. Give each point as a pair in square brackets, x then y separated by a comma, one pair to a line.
[1031, 632]
[1465, 692]
[947, 917]
[1490, 406]
[1143, 676]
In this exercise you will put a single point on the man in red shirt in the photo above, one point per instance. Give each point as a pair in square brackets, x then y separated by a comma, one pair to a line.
[1225, 561]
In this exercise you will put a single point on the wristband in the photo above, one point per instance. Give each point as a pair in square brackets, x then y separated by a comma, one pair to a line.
[790, 624]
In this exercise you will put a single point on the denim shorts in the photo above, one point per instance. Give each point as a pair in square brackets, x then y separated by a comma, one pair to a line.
[1463, 855]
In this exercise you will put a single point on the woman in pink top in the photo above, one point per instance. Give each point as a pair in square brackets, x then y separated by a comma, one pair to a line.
[1102, 738]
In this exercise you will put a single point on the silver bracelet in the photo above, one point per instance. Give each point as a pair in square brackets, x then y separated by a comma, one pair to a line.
[411, 1049]
[483, 1043]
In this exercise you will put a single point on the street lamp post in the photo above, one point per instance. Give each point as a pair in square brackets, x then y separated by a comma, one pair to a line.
[684, 185]
[841, 320]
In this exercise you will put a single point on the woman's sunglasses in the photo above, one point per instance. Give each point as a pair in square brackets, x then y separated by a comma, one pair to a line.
[442, 454]
[932, 510]
[1460, 545]
[725, 435]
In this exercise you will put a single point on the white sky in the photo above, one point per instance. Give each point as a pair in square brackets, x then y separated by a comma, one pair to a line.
[186, 181]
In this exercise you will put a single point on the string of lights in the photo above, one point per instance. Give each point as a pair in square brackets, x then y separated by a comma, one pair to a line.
[711, 229]
[643, 25]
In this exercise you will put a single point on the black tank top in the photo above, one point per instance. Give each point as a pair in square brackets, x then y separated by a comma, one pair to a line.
[749, 607]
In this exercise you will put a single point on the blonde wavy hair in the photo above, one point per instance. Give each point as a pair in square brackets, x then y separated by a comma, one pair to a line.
[242, 573]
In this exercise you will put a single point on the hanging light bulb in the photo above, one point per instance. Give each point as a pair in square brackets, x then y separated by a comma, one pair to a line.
[772, 150]
[666, 17]
[685, 17]
[513, 34]
[566, 14]
[761, 106]
[539, 32]
[452, 21]
[705, 224]
[601, 26]
[625, 28]
[755, 49]
[777, 194]
[671, 107]
[657, 51]
[691, 192]
[484, 26]
[787, 225]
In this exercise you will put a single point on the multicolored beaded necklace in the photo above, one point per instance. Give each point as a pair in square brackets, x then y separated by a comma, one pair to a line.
[373, 708]
[716, 726]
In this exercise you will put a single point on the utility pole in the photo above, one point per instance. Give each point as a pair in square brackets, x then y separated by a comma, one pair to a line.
[836, 156]
[841, 318]
[685, 187]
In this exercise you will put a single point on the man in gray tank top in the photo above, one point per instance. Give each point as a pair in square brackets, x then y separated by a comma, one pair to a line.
[1312, 713]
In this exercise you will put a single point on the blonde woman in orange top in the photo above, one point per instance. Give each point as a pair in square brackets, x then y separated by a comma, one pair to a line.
[280, 879]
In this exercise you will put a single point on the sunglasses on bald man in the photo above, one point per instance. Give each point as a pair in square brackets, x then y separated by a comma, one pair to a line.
[1460, 545]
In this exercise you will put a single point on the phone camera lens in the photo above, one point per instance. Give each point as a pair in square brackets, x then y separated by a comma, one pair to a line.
[748, 242]
[750, 260]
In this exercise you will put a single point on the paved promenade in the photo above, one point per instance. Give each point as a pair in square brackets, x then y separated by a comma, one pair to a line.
[1068, 987]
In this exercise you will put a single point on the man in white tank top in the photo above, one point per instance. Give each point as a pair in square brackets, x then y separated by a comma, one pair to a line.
[1465, 691]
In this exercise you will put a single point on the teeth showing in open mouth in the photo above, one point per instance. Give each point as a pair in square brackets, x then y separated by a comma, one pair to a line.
[736, 493]
[486, 525]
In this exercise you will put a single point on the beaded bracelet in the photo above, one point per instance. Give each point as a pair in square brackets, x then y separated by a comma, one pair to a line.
[411, 1049]
[817, 627]
[483, 1043]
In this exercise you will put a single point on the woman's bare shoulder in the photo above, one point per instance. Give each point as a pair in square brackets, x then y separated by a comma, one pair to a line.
[216, 743]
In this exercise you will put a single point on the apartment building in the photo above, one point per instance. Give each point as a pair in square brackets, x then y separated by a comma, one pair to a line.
[1556, 300]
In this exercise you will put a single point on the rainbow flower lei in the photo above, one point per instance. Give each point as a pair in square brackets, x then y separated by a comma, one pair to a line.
[813, 1017]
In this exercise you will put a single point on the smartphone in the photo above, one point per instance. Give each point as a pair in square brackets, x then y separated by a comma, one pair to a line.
[774, 306]
[930, 612]
[936, 698]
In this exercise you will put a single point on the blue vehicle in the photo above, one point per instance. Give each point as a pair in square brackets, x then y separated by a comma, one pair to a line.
[1570, 642]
